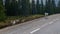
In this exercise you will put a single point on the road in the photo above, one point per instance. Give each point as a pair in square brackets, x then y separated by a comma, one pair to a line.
[37, 26]
[53, 28]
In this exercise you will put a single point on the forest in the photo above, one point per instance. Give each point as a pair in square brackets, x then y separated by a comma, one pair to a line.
[25, 8]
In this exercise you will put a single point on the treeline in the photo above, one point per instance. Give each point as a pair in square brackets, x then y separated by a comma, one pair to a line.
[25, 8]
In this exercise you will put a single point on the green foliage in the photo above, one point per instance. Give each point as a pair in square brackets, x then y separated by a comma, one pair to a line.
[11, 8]
[2, 13]
[25, 8]
[14, 8]
[50, 6]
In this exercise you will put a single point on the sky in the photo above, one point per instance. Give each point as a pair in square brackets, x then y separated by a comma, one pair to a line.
[56, 1]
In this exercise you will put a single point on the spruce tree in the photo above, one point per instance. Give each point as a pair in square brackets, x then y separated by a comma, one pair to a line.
[2, 11]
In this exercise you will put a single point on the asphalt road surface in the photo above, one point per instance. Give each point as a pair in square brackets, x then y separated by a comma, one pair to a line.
[37, 26]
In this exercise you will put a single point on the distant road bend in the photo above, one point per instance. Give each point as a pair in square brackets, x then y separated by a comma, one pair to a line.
[37, 26]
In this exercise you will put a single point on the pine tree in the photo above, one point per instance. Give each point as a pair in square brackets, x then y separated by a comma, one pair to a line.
[49, 6]
[37, 7]
[14, 8]
[11, 7]
[27, 7]
[30, 8]
[7, 6]
[58, 7]
[19, 7]
[53, 6]
[42, 6]
[46, 6]
[23, 3]
[33, 7]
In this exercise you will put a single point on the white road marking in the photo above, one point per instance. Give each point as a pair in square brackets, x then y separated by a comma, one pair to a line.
[53, 21]
[44, 26]
[35, 30]
[57, 19]
[39, 28]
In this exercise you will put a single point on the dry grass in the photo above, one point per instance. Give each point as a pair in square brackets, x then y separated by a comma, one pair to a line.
[7, 22]
[3, 24]
[31, 17]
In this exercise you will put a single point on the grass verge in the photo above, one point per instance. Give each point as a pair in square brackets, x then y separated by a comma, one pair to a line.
[7, 22]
